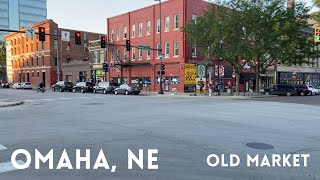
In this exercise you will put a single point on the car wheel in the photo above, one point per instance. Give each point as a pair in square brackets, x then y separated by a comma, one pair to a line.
[302, 94]
[53, 89]
[60, 90]
[82, 90]
[289, 93]
[94, 91]
[73, 90]
[104, 91]
[126, 93]
[267, 93]
[116, 92]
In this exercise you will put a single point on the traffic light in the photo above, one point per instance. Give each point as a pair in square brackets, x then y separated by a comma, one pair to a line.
[78, 38]
[317, 35]
[105, 67]
[128, 45]
[163, 66]
[103, 42]
[42, 34]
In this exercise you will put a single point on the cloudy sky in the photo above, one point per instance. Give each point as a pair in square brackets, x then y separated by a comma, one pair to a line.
[91, 15]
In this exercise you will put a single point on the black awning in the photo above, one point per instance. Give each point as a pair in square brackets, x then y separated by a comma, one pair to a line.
[248, 76]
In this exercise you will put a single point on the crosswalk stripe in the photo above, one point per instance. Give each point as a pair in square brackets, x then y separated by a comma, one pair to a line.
[46, 99]
[7, 166]
[2, 147]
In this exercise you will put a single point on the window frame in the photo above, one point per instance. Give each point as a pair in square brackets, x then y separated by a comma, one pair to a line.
[176, 49]
[176, 22]
[167, 24]
[133, 31]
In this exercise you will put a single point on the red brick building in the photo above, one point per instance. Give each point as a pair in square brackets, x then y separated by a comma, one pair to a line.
[141, 27]
[29, 60]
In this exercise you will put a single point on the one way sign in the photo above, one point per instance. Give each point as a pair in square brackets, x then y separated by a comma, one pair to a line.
[65, 36]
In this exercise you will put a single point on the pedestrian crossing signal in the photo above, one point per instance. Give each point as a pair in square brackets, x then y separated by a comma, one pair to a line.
[317, 35]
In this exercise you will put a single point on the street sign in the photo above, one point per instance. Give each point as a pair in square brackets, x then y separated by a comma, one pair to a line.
[144, 47]
[65, 36]
[29, 32]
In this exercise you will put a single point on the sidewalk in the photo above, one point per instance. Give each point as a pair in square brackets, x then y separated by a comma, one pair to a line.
[222, 95]
[8, 103]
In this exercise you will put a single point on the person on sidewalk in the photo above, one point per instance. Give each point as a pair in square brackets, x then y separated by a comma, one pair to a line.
[201, 87]
[217, 90]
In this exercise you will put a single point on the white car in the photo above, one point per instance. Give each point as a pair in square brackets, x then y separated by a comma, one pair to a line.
[17, 86]
[313, 90]
[317, 90]
[26, 85]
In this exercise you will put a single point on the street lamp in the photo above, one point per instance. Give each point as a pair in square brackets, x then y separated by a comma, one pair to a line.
[160, 50]
[219, 51]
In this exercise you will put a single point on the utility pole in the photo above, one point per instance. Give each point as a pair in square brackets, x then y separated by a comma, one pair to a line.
[160, 50]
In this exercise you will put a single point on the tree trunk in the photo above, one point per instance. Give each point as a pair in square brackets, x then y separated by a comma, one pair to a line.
[237, 83]
[257, 77]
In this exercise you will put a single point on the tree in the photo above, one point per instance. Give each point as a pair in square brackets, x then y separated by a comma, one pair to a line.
[219, 34]
[262, 32]
[2, 58]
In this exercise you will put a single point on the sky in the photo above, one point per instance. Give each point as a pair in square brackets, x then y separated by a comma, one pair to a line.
[91, 15]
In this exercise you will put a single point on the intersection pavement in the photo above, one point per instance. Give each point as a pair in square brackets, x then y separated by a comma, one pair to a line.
[185, 130]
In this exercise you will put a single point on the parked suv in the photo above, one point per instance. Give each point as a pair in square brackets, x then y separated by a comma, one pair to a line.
[83, 87]
[302, 89]
[62, 86]
[105, 87]
[283, 89]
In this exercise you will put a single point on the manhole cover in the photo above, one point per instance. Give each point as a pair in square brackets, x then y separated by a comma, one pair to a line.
[93, 104]
[256, 145]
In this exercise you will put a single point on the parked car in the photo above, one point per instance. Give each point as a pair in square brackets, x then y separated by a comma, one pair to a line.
[313, 91]
[62, 86]
[317, 90]
[83, 87]
[17, 86]
[26, 85]
[105, 87]
[126, 89]
[283, 89]
[302, 89]
[266, 91]
[5, 85]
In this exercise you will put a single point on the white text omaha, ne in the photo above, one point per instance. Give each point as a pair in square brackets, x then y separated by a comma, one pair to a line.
[273, 160]
[85, 158]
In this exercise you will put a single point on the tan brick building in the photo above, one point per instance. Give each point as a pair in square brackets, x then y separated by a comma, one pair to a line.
[29, 60]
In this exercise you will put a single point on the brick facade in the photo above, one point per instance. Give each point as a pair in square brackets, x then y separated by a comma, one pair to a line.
[179, 13]
[29, 60]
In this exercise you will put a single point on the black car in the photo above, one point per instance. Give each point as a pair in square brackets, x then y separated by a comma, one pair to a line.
[83, 87]
[283, 89]
[62, 86]
[105, 87]
[302, 89]
[266, 91]
[5, 85]
[127, 89]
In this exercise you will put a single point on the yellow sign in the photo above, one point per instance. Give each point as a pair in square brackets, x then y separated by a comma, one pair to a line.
[190, 74]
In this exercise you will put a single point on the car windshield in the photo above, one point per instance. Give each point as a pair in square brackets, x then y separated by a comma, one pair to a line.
[114, 84]
[80, 84]
[103, 84]
[27, 83]
[68, 83]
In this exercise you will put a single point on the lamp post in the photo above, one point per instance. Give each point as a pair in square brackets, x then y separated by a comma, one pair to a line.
[219, 53]
[160, 50]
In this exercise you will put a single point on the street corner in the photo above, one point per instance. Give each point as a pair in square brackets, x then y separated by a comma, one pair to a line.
[4, 104]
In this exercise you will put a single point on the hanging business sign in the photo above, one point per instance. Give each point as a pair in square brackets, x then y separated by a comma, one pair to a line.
[190, 75]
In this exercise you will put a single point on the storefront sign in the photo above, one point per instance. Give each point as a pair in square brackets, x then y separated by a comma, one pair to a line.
[190, 75]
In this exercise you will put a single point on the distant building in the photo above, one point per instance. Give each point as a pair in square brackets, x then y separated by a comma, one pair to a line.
[97, 58]
[29, 60]
[21, 13]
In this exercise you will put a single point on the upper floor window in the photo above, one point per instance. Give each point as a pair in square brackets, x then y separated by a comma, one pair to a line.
[167, 24]
[194, 18]
[111, 35]
[133, 53]
[133, 33]
[158, 47]
[158, 25]
[167, 49]
[140, 54]
[148, 30]
[140, 29]
[176, 48]
[125, 32]
[176, 21]
[148, 54]
[118, 34]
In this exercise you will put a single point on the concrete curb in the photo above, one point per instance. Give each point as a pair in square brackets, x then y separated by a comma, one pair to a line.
[12, 104]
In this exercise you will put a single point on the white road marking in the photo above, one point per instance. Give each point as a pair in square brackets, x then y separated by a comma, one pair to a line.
[7, 167]
[2, 147]
[65, 98]
[47, 99]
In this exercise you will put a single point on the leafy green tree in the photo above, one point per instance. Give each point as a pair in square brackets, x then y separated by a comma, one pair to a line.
[262, 32]
[2, 58]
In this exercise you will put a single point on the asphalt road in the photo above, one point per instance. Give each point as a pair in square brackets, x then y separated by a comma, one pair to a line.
[308, 100]
[185, 130]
